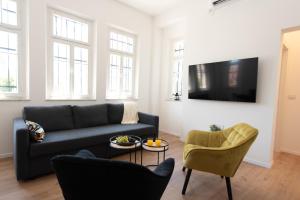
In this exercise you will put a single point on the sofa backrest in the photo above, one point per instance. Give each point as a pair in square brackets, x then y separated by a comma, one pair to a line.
[55, 118]
[90, 116]
[51, 118]
[115, 113]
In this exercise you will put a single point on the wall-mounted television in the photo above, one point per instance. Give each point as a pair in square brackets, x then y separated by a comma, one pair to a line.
[234, 80]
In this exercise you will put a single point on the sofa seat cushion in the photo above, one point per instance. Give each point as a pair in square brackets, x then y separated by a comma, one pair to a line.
[63, 141]
[90, 116]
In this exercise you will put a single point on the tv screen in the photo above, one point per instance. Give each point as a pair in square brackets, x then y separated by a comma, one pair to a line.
[234, 80]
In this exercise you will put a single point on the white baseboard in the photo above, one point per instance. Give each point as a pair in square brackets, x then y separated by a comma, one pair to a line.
[259, 163]
[290, 151]
[6, 155]
[169, 132]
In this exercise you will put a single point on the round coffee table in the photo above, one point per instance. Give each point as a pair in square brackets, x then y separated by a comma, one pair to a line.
[164, 146]
[134, 147]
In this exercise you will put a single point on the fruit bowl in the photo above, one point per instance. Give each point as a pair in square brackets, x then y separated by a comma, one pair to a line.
[125, 141]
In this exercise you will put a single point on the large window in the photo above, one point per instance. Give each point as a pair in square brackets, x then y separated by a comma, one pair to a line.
[177, 66]
[70, 67]
[13, 83]
[121, 80]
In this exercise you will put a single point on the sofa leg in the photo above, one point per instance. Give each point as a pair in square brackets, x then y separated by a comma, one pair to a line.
[187, 178]
[228, 185]
[183, 169]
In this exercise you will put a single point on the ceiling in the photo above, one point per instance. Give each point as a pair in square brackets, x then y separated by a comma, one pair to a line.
[152, 7]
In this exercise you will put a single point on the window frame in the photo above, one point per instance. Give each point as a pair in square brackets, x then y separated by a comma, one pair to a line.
[172, 61]
[72, 43]
[23, 54]
[122, 54]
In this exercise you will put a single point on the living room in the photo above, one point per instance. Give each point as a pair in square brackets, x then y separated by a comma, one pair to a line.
[64, 60]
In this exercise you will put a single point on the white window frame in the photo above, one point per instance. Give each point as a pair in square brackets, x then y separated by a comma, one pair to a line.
[21, 30]
[133, 95]
[72, 43]
[173, 59]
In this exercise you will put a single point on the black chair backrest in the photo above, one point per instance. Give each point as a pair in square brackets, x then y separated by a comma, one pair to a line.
[88, 178]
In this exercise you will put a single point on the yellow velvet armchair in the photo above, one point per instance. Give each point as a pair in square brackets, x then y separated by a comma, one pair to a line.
[218, 152]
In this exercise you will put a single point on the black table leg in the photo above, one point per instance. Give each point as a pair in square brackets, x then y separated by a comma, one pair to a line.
[141, 156]
[135, 156]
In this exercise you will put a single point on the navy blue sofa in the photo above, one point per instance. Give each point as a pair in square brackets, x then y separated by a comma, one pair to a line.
[69, 129]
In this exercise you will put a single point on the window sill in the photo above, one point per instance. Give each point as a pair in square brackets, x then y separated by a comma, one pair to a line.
[173, 100]
[122, 99]
[12, 98]
[70, 99]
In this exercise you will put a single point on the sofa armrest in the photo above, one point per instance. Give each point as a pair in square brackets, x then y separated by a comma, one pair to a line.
[165, 168]
[21, 143]
[151, 120]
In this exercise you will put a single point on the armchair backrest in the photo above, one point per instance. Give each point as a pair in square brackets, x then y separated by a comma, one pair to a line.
[95, 178]
[238, 135]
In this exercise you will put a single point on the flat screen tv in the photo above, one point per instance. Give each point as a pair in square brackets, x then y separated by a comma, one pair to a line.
[234, 80]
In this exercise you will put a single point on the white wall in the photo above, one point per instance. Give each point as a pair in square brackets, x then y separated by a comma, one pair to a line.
[104, 13]
[289, 111]
[170, 111]
[239, 29]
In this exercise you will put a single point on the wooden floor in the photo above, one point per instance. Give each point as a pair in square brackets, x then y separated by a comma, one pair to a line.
[251, 182]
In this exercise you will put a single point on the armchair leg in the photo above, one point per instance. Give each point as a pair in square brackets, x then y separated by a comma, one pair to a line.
[183, 169]
[187, 178]
[228, 185]
[222, 177]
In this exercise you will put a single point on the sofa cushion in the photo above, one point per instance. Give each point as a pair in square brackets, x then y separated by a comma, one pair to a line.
[68, 140]
[90, 116]
[51, 118]
[115, 113]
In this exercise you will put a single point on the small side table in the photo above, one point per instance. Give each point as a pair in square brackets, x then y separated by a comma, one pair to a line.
[134, 147]
[164, 146]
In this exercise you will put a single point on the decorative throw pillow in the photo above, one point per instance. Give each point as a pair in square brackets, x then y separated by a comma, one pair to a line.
[36, 132]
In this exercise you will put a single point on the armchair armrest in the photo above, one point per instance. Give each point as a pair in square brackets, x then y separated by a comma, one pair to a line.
[151, 120]
[21, 143]
[165, 168]
[205, 138]
[85, 154]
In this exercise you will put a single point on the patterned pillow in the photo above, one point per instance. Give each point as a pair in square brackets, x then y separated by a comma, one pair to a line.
[36, 132]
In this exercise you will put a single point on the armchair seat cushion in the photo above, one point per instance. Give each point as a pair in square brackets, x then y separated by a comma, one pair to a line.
[68, 140]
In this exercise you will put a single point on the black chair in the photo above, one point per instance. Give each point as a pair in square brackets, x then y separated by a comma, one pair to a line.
[85, 177]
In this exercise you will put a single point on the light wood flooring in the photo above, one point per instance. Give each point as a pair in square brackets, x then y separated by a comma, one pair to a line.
[281, 182]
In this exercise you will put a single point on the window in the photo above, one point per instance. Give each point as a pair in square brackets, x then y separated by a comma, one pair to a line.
[121, 65]
[70, 68]
[177, 66]
[12, 50]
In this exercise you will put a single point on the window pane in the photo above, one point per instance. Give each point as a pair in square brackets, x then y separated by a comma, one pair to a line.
[80, 71]
[127, 75]
[61, 69]
[8, 62]
[115, 68]
[70, 29]
[121, 42]
[9, 12]
[179, 49]
[178, 52]
[176, 77]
